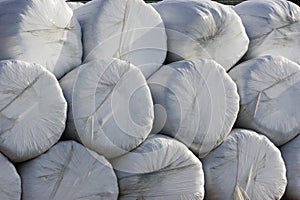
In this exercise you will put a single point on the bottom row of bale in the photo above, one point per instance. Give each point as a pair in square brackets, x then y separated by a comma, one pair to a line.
[245, 166]
[119, 144]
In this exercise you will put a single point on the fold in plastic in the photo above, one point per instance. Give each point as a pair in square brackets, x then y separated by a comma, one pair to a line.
[130, 30]
[269, 90]
[245, 166]
[160, 168]
[32, 110]
[273, 27]
[110, 106]
[199, 101]
[68, 171]
[40, 31]
[205, 29]
[10, 181]
[290, 153]
[74, 5]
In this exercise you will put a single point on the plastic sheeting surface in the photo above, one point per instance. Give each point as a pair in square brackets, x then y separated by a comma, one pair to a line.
[273, 27]
[199, 101]
[68, 171]
[246, 166]
[160, 168]
[269, 90]
[75, 5]
[110, 106]
[205, 29]
[40, 31]
[290, 153]
[10, 181]
[126, 29]
[32, 110]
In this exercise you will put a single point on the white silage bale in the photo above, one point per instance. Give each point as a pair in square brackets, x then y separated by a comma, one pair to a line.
[273, 27]
[41, 31]
[196, 101]
[130, 30]
[269, 90]
[290, 153]
[205, 29]
[110, 106]
[160, 168]
[68, 171]
[245, 166]
[32, 110]
[10, 181]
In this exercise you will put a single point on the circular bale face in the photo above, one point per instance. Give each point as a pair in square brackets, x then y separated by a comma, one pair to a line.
[160, 168]
[33, 110]
[269, 90]
[200, 102]
[203, 29]
[110, 106]
[68, 171]
[41, 31]
[246, 165]
[273, 28]
[130, 30]
[290, 153]
[10, 181]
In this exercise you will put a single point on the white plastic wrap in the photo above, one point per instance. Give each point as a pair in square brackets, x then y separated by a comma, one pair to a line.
[32, 110]
[68, 171]
[205, 29]
[130, 30]
[269, 88]
[110, 106]
[199, 101]
[160, 168]
[273, 27]
[40, 31]
[290, 153]
[74, 5]
[10, 181]
[245, 166]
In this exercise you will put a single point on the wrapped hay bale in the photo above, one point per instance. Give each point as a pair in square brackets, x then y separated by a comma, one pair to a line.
[110, 106]
[32, 110]
[205, 29]
[290, 153]
[160, 168]
[10, 182]
[269, 90]
[130, 30]
[273, 27]
[200, 100]
[245, 166]
[40, 31]
[68, 171]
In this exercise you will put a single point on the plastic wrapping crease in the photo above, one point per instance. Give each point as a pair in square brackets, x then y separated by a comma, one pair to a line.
[160, 168]
[273, 27]
[110, 106]
[198, 102]
[205, 29]
[74, 5]
[44, 32]
[130, 30]
[269, 90]
[32, 119]
[240, 194]
[245, 166]
[68, 171]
